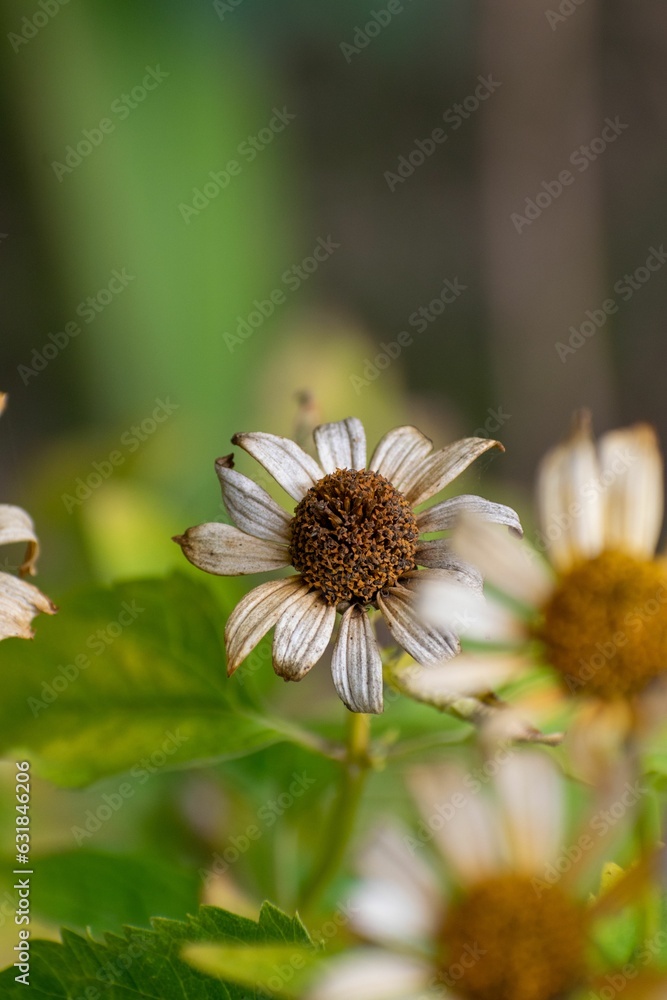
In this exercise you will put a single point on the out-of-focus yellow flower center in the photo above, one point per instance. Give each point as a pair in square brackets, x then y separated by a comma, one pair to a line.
[505, 940]
[605, 625]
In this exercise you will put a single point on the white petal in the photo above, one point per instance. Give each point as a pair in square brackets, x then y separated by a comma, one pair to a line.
[289, 464]
[445, 465]
[341, 445]
[19, 603]
[372, 975]
[460, 819]
[258, 612]
[443, 516]
[302, 634]
[631, 474]
[399, 897]
[465, 611]
[225, 551]
[250, 507]
[422, 640]
[506, 562]
[464, 676]
[439, 555]
[400, 455]
[532, 800]
[16, 526]
[356, 664]
[569, 499]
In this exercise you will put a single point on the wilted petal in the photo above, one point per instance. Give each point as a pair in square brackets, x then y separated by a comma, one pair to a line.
[225, 551]
[19, 603]
[399, 456]
[422, 640]
[569, 499]
[302, 634]
[16, 526]
[445, 465]
[289, 464]
[438, 554]
[631, 477]
[443, 516]
[250, 507]
[356, 664]
[258, 612]
[341, 445]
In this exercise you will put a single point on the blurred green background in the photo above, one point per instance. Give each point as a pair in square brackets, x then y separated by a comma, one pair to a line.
[318, 123]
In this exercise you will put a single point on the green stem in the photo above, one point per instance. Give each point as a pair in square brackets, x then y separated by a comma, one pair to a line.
[355, 765]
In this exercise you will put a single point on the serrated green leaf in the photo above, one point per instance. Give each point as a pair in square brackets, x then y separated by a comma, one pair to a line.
[147, 964]
[129, 678]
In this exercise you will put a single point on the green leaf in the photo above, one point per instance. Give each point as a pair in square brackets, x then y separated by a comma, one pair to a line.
[90, 889]
[281, 969]
[130, 678]
[147, 964]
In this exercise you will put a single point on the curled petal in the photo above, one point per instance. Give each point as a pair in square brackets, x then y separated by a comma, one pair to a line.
[443, 516]
[19, 603]
[400, 455]
[225, 551]
[341, 445]
[445, 465]
[258, 612]
[251, 508]
[289, 464]
[356, 665]
[302, 634]
[17, 526]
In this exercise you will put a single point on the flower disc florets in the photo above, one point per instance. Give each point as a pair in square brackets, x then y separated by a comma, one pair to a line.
[605, 625]
[353, 535]
[508, 943]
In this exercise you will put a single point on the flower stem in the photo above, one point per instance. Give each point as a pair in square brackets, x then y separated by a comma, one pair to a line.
[356, 765]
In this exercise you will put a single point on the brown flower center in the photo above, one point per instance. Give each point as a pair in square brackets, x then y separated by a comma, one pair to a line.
[507, 941]
[605, 626]
[353, 534]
